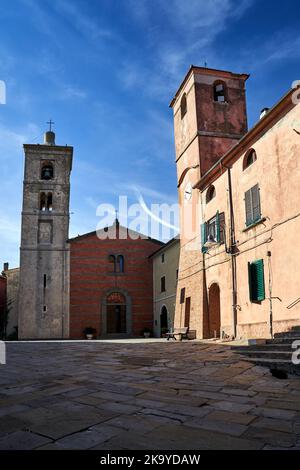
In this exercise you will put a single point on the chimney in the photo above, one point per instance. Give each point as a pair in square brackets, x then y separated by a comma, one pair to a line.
[5, 266]
[263, 112]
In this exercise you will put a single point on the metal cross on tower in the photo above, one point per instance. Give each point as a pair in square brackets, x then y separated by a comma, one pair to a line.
[50, 124]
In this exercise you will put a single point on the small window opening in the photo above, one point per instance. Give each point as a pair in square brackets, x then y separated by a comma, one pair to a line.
[112, 261]
[120, 262]
[163, 284]
[220, 92]
[43, 202]
[249, 158]
[211, 193]
[183, 106]
[49, 202]
[46, 202]
[182, 295]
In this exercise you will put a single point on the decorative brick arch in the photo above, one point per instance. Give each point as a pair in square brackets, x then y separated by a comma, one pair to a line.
[104, 307]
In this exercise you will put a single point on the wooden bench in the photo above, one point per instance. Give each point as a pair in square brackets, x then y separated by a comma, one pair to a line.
[180, 332]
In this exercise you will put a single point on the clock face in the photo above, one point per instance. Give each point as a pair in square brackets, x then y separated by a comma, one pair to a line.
[188, 192]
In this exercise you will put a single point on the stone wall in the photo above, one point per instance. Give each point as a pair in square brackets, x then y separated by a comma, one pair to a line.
[167, 268]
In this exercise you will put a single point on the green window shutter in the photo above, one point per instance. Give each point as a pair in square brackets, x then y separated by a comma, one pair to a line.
[203, 237]
[252, 205]
[255, 196]
[256, 281]
[222, 227]
[248, 207]
[218, 234]
[260, 279]
[250, 282]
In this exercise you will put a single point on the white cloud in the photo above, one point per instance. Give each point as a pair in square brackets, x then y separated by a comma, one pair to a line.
[179, 34]
[73, 92]
[85, 24]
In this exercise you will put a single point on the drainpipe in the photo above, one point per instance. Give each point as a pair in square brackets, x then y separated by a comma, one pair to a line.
[270, 294]
[232, 244]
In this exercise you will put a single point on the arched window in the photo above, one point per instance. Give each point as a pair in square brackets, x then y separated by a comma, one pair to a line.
[47, 172]
[220, 92]
[183, 106]
[210, 194]
[112, 262]
[49, 202]
[43, 203]
[120, 263]
[249, 158]
[46, 202]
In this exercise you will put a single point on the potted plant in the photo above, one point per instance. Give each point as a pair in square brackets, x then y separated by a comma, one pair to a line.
[146, 332]
[89, 332]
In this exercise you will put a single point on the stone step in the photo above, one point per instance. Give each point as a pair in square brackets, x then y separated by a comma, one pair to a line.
[283, 339]
[282, 364]
[287, 334]
[268, 354]
[264, 347]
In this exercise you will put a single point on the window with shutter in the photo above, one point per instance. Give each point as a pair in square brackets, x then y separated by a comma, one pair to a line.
[252, 205]
[255, 203]
[182, 295]
[256, 281]
[221, 226]
[218, 232]
[213, 229]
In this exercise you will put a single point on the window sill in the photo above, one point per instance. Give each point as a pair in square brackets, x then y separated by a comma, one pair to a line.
[254, 224]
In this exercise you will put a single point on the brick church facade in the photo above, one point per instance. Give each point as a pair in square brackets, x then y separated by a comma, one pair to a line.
[111, 283]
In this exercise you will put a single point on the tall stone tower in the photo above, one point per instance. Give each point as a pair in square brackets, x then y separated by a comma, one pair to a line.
[44, 257]
[209, 118]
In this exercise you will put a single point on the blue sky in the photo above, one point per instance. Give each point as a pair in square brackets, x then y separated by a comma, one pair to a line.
[105, 72]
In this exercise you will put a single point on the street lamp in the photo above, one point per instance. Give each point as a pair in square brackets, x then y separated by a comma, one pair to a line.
[211, 241]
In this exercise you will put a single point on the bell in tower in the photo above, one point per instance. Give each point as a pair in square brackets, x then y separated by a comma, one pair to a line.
[47, 172]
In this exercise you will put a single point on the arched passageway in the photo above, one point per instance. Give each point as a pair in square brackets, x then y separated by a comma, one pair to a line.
[214, 311]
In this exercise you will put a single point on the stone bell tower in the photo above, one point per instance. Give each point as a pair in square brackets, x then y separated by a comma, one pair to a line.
[44, 257]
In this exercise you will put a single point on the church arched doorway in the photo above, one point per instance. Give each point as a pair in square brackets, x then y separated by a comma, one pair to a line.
[116, 313]
[163, 320]
[214, 311]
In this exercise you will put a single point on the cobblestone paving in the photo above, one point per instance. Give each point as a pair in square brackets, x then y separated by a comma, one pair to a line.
[167, 395]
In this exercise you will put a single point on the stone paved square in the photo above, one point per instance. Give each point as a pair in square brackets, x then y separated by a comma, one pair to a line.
[142, 395]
